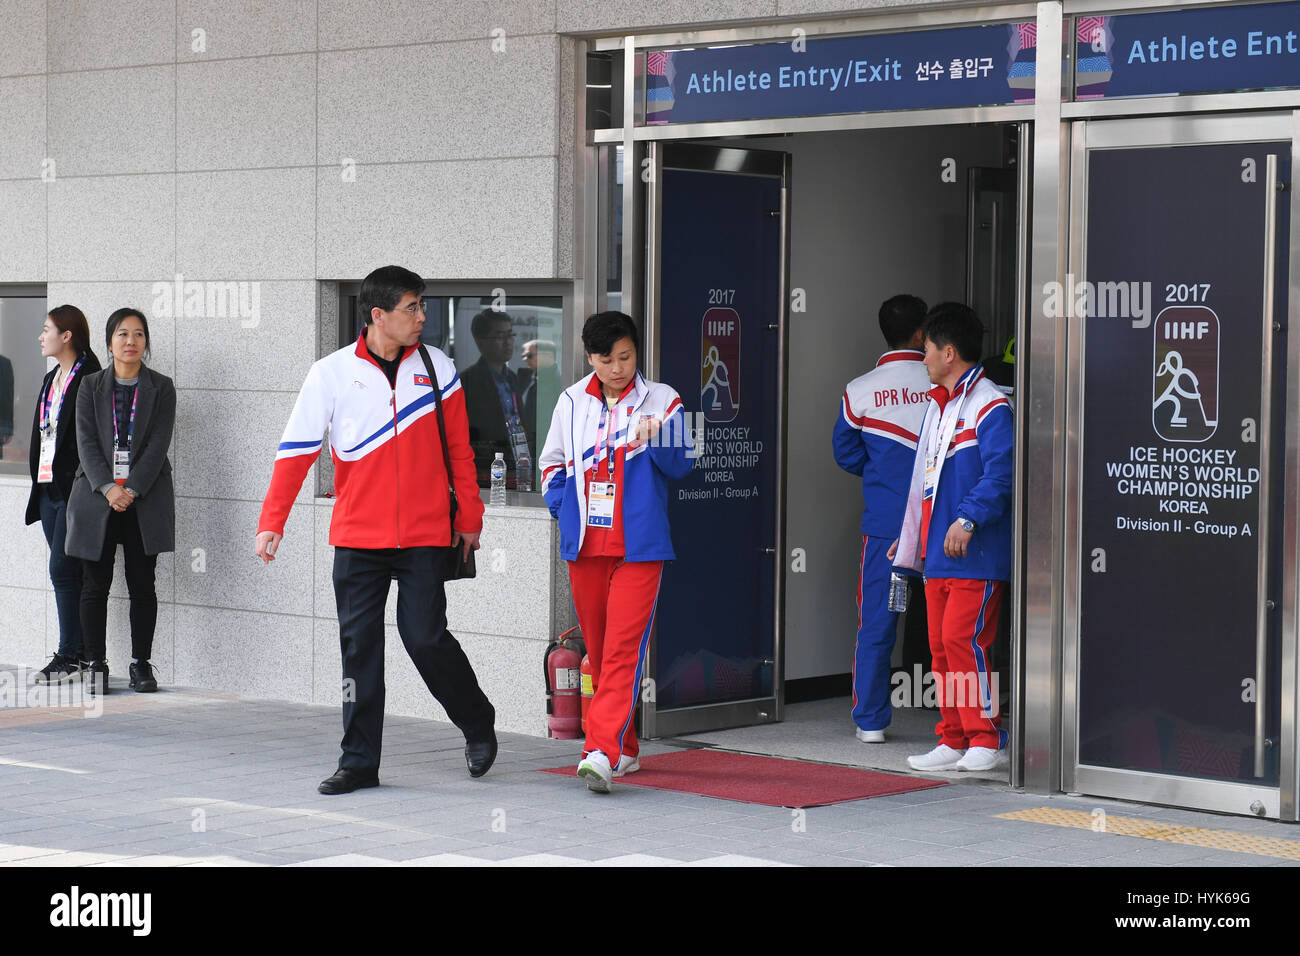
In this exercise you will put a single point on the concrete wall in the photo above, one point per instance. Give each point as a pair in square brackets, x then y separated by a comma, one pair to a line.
[225, 155]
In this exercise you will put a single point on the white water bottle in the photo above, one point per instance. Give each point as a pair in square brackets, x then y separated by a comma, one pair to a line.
[498, 495]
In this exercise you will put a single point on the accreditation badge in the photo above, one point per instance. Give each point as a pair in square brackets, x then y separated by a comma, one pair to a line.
[600, 505]
[121, 464]
[45, 467]
[931, 473]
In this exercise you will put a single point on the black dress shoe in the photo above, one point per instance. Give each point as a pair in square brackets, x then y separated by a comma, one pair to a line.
[479, 754]
[345, 781]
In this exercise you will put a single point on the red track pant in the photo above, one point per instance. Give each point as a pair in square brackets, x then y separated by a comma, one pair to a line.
[615, 601]
[963, 619]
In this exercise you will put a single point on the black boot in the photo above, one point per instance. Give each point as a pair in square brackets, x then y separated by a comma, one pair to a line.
[142, 678]
[96, 678]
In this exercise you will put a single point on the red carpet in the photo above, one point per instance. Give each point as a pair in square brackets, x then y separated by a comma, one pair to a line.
[767, 780]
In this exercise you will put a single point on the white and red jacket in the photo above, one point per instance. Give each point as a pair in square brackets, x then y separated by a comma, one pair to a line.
[389, 478]
[875, 435]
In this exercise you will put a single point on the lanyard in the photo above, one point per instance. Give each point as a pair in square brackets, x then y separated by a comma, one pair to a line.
[47, 400]
[605, 433]
[130, 426]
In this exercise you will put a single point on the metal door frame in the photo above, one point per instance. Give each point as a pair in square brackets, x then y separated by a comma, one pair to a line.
[1275, 802]
[702, 718]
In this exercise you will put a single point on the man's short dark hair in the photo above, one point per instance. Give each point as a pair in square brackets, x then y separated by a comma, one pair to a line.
[481, 325]
[602, 332]
[384, 288]
[955, 324]
[900, 317]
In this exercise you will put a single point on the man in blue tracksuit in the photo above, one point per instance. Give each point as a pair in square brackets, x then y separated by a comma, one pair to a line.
[875, 438]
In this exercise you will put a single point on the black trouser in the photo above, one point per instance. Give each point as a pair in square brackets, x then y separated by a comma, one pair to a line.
[123, 529]
[361, 578]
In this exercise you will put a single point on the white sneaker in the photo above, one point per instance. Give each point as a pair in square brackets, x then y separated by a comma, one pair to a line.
[941, 757]
[627, 764]
[980, 758]
[596, 771]
[871, 736]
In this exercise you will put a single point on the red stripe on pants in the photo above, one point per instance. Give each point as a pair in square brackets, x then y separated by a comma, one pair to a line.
[615, 601]
[963, 620]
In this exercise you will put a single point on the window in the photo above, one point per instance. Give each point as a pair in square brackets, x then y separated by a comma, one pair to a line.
[508, 347]
[22, 313]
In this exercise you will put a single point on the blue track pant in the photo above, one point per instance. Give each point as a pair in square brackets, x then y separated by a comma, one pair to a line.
[877, 627]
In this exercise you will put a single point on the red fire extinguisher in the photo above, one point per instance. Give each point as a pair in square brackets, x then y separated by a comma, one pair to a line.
[561, 664]
[588, 689]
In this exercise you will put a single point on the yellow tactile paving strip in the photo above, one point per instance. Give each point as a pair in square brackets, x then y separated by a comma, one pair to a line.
[1167, 832]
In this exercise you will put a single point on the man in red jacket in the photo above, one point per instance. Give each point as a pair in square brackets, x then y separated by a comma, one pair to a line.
[391, 516]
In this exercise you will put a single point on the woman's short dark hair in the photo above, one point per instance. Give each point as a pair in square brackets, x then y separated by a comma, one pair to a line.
[116, 319]
[384, 288]
[604, 330]
[68, 318]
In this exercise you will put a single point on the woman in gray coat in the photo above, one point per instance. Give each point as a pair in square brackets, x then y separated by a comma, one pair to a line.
[122, 493]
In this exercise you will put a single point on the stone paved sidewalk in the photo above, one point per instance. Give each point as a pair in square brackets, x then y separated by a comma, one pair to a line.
[190, 778]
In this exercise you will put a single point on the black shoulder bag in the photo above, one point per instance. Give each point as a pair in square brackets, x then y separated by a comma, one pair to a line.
[455, 566]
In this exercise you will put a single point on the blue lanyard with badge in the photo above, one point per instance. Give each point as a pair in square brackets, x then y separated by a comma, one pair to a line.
[600, 495]
[122, 456]
[49, 425]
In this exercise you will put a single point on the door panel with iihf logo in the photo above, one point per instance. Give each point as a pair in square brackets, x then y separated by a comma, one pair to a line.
[1178, 469]
[720, 240]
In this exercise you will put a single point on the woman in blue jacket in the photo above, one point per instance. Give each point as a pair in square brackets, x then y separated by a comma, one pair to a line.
[614, 442]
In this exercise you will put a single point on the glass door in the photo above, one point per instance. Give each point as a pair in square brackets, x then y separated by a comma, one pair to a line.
[1177, 300]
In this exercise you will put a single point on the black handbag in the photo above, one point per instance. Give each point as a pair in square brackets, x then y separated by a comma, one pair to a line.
[455, 565]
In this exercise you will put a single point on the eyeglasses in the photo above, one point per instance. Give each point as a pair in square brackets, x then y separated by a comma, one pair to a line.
[413, 309]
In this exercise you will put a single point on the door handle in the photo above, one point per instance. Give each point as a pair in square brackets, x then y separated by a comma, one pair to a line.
[1263, 604]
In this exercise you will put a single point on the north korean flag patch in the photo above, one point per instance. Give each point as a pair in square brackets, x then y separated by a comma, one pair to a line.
[423, 380]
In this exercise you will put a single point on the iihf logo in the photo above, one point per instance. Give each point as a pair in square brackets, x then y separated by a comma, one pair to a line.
[1185, 383]
[720, 365]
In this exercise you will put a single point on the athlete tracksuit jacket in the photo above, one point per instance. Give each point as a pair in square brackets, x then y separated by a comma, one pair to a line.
[962, 469]
[875, 438]
[615, 568]
[390, 521]
[388, 465]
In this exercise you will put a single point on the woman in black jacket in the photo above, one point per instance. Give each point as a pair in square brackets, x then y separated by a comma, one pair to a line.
[123, 494]
[65, 338]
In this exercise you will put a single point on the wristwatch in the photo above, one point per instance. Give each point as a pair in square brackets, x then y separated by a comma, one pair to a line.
[966, 524]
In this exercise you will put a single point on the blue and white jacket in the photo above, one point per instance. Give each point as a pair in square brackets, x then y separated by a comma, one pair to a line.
[973, 481]
[570, 452]
[875, 435]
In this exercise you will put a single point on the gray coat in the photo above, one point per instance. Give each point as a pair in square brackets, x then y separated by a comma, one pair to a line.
[150, 474]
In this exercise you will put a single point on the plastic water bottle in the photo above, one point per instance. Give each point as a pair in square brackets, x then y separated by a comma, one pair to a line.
[898, 592]
[523, 471]
[498, 495]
